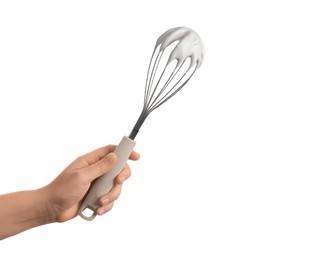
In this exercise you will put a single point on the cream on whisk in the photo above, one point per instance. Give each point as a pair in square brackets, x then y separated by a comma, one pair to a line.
[189, 45]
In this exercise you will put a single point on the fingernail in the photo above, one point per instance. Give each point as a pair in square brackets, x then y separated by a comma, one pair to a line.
[105, 201]
[109, 157]
[101, 211]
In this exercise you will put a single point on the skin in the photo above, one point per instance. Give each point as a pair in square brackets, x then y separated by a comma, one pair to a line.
[60, 200]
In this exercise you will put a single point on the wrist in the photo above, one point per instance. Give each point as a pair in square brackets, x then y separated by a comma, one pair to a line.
[44, 208]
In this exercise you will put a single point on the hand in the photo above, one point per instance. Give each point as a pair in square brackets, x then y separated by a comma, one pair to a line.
[65, 194]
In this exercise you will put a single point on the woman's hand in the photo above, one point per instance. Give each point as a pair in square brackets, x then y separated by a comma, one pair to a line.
[65, 193]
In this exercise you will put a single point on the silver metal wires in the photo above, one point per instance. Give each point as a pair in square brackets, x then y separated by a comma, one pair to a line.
[178, 53]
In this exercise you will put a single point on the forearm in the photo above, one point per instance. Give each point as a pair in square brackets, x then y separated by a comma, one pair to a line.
[22, 210]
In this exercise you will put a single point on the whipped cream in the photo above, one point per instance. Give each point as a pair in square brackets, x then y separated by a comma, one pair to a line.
[189, 45]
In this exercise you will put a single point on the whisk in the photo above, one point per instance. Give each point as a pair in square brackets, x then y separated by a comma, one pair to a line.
[177, 54]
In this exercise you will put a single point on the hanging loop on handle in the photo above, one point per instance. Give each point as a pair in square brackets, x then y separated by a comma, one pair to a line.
[104, 183]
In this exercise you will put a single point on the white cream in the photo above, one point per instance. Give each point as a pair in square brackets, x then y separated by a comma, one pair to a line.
[189, 45]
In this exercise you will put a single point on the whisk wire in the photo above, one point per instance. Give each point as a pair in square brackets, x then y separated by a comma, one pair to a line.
[171, 93]
[151, 103]
[176, 57]
[155, 100]
[152, 76]
[148, 80]
[156, 103]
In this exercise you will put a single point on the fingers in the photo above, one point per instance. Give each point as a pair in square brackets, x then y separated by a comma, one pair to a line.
[101, 161]
[102, 210]
[98, 154]
[106, 202]
[99, 167]
[134, 156]
[91, 157]
[123, 175]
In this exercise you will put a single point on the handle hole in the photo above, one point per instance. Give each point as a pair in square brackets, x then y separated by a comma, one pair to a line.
[87, 212]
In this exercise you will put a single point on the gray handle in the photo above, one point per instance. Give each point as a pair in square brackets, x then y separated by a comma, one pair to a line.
[104, 183]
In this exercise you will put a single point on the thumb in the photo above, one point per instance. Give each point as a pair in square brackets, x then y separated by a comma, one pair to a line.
[101, 167]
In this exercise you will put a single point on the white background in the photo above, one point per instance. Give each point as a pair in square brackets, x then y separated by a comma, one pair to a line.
[227, 167]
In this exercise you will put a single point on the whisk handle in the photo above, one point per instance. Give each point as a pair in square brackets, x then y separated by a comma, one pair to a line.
[104, 183]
